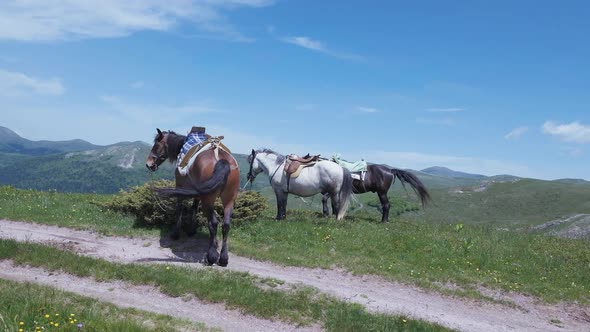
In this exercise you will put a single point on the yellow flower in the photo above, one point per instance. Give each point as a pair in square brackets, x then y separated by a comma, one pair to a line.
[21, 330]
[56, 324]
[72, 315]
[46, 315]
[404, 320]
[21, 323]
[167, 267]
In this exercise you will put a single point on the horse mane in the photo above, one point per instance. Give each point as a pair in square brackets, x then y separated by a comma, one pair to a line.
[174, 142]
[280, 157]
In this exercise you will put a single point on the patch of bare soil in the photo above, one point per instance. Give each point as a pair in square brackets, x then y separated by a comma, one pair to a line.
[145, 298]
[375, 293]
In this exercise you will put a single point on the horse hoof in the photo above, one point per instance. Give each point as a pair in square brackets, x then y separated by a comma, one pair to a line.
[222, 262]
[212, 258]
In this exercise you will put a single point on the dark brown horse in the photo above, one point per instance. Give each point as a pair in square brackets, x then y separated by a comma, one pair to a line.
[213, 174]
[379, 179]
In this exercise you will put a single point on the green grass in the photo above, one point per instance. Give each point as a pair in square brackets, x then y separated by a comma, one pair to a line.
[469, 256]
[428, 255]
[30, 307]
[513, 205]
[72, 210]
[237, 290]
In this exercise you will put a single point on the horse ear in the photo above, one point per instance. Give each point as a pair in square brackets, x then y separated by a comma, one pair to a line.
[253, 152]
[159, 131]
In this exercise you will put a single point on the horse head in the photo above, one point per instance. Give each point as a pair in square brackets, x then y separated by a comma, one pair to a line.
[159, 152]
[254, 166]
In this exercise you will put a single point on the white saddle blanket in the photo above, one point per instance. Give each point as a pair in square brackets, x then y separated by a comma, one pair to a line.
[184, 170]
[357, 176]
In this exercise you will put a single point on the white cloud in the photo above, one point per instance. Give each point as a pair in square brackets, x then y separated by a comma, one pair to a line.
[318, 46]
[516, 133]
[40, 20]
[438, 122]
[571, 132]
[137, 85]
[18, 84]
[418, 161]
[143, 112]
[367, 109]
[446, 110]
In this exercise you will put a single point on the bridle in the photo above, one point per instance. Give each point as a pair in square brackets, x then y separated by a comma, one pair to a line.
[250, 177]
[159, 159]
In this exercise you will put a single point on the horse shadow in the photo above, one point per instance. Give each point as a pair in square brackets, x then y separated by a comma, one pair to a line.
[186, 249]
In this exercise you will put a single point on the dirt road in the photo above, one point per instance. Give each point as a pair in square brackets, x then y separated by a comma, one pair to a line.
[375, 293]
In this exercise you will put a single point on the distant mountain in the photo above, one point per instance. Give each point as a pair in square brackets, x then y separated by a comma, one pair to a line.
[11, 142]
[572, 181]
[446, 172]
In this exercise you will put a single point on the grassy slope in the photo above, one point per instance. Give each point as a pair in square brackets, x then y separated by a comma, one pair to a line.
[421, 253]
[32, 308]
[235, 289]
[511, 204]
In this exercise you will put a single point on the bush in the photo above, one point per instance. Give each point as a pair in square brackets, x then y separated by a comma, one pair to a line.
[153, 210]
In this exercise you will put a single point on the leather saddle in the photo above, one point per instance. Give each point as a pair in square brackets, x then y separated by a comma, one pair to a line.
[294, 164]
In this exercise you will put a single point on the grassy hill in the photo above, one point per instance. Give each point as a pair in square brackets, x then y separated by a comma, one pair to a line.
[514, 204]
[11, 142]
[102, 170]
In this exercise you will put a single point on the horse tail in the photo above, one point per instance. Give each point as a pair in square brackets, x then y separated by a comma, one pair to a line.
[218, 179]
[345, 194]
[417, 185]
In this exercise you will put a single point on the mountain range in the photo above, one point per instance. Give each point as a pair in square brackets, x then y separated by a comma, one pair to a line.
[458, 197]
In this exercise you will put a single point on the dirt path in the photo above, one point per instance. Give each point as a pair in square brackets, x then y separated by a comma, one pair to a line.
[145, 298]
[374, 293]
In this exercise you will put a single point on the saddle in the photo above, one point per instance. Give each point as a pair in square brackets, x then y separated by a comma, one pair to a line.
[213, 142]
[294, 164]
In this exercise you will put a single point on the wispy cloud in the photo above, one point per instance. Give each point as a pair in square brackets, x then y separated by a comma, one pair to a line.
[135, 110]
[571, 132]
[19, 84]
[418, 161]
[367, 109]
[574, 151]
[40, 20]
[446, 110]
[516, 133]
[433, 121]
[137, 85]
[318, 46]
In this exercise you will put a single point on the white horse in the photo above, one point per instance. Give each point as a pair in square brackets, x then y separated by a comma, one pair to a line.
[324, 177]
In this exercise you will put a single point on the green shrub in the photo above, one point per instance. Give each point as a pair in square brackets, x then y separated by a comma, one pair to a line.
[153, 210]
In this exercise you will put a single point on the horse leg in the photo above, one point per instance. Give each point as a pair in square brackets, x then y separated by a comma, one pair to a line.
[175, 235]
[325, 209]
[384, 206]
[335, 200]
[212, 254]
[227, 212]
[192, 227]
[281, 204]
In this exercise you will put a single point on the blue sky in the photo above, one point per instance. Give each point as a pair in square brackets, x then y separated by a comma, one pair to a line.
[488, 87]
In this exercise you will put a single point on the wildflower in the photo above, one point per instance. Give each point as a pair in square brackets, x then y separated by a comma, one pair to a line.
[167, 267]
[21, 323]
[46, 315]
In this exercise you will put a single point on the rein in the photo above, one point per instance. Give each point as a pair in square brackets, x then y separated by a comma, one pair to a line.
[275, 172]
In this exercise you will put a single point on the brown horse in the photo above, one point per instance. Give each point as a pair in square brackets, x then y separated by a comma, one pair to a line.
[213, 174]
[379, 178]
